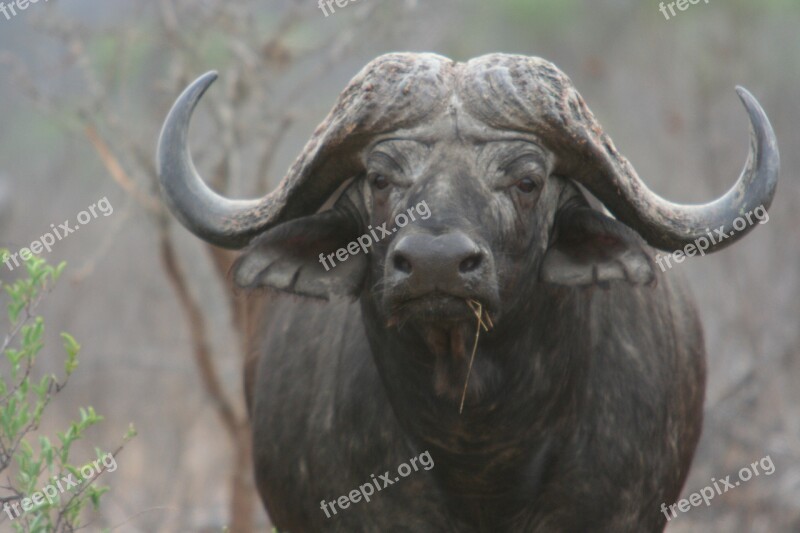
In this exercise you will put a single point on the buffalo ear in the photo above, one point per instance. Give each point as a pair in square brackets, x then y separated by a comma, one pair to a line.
[287, 257]
[592, 248]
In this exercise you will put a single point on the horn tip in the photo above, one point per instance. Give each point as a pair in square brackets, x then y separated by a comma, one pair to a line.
[747, 97]
[210, 76]
[203, 82]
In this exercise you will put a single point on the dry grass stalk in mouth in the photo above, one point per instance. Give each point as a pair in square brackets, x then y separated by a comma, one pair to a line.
[477, 308]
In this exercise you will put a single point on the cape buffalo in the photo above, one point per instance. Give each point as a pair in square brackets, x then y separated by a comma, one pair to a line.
[584, 403]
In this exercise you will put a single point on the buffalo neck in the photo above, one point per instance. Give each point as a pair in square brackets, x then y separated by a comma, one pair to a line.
[513, 422]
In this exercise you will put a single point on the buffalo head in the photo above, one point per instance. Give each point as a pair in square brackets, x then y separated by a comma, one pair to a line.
[493, 149]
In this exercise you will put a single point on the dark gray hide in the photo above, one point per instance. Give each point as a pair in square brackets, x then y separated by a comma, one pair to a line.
[584, 405]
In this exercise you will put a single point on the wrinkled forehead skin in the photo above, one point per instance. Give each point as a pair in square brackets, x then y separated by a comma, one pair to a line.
[506, 93]
[399, 91]
[402, 92]
[513, 93]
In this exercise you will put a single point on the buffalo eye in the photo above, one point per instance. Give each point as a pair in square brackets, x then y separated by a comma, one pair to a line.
[379, 181]
[526, 185]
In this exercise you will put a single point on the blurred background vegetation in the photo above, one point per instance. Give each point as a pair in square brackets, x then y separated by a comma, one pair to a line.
[85, 85]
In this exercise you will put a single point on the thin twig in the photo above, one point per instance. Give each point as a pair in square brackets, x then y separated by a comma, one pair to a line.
[201, 346]
[117, 172]
[477, 308]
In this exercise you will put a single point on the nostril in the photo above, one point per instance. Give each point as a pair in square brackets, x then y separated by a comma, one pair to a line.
[401, 263]
[471, 263]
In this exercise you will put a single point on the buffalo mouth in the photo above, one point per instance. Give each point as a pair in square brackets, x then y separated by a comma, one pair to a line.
[438, 310]
[435, 308]
[447, 325]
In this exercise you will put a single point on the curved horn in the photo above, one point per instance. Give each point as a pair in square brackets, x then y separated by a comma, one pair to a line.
[393, 91]
[218, 220]
[671, 226]
[530, 94]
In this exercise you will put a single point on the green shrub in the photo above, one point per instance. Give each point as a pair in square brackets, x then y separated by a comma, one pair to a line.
[47, 491]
